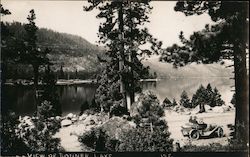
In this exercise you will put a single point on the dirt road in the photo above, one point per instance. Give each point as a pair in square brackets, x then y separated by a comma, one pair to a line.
[176, 120]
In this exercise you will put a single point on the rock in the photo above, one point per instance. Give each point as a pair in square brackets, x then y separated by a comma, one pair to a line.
[74, 119]
[83, 117]
[188, 113]
[26, 118]
[66, 122]
[132, 124]
[70, 116]
[58, 118]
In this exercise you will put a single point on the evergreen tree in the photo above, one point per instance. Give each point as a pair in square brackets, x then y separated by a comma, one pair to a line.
[185, 101]
[227, 39]
[122, 32]
[4, 11]
[216, 99]
[33, 55]
[166, 102]
[174, 103]
[199, 97]
[50, 93]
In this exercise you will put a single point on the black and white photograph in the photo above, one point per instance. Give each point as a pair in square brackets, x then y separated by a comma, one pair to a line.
[124, 76]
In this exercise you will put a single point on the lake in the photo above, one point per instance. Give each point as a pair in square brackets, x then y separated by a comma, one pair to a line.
[21, 98]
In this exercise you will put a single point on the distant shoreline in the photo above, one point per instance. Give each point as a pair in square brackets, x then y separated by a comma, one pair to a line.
[62, 82]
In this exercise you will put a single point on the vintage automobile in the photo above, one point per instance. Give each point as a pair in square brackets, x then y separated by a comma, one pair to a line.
[197, 130]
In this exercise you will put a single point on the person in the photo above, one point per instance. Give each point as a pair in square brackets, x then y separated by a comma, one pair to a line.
[193, 120]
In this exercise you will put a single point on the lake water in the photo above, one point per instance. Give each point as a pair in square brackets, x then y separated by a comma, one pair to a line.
[21, 98]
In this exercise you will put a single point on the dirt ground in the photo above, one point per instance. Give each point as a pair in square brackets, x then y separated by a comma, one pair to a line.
[176, 120]
[69, 141]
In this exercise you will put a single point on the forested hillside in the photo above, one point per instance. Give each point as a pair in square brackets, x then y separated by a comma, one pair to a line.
[71, 53]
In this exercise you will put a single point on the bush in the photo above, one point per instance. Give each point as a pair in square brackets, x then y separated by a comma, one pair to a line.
[142, 139]
[39, 135]
[118, 110]
[10, 142]
[98, 140]
[146, 106]
[151, 133]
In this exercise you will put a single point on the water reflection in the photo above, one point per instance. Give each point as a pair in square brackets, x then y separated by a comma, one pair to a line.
[21, 99]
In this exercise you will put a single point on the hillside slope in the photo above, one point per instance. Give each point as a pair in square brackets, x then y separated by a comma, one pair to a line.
[72, 52]
[166, 70]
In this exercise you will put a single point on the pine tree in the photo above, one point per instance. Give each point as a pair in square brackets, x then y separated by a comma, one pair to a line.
[216, 99]
[185, 101]
[50, 93]
[174, 103]
[33, 55]
[123, 34]
[199, 98]
[166, 102]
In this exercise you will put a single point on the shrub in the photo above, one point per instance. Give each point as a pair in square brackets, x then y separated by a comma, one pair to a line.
[10, 142]
[117, 109]
[146, 106]
[98, 140]
[185, 101]
[39, 135]
[142, 139]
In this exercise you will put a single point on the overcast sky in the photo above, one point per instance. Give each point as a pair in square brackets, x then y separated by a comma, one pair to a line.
[69, 17]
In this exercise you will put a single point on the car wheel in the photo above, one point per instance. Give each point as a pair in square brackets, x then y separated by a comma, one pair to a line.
[194, 134]
[219, 132]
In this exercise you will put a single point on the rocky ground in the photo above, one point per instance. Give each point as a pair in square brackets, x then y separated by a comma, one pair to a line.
[72, 125]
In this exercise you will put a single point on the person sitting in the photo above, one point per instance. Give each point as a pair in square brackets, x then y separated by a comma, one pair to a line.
[193, 120]
[201, 125]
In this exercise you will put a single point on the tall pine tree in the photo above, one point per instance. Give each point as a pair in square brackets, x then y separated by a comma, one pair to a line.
[33, 55]
[123, 35]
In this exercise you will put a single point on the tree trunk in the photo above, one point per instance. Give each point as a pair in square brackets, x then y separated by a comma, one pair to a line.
[202, 108]
[121, 56]
[241, 81]
[241, 93]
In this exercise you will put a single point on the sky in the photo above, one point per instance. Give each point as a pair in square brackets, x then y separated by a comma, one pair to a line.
[69, 17]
